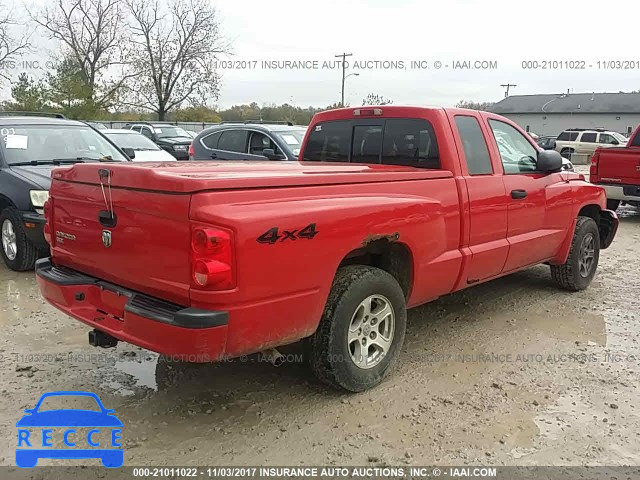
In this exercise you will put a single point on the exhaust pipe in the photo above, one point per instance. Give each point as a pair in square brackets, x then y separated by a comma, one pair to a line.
[274, 357]
[101, 339]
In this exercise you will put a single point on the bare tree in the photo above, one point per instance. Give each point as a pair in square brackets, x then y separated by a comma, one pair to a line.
[485, 106]
[375, 99]
[175, 48]
[92, 35]
[11, 45]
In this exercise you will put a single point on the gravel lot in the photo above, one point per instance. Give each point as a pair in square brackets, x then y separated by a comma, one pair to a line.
[513, 372]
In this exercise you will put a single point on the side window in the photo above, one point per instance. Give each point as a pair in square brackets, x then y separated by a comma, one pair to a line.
[367, 144]
[568, 136]
[146, 131]
[606, 138]
[516, 153]
[411, 142]
[329, 142]
[259, 142]
[233, 141]
[211, 141]
[636, 140]
[589, 137]
[136, 128]
[475, 148]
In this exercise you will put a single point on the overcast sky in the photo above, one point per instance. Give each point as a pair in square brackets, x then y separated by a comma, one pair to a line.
[503, 32]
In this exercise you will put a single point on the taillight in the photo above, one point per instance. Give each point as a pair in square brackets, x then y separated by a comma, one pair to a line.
[212, 258]
[595, 159]
[192, 152]
[47, 225]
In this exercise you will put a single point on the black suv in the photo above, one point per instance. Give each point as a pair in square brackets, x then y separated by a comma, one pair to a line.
[171, 138]
[251, 140]
[30, 147]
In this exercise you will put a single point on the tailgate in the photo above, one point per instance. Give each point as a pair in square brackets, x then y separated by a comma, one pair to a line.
[147, 249]
[619, 165]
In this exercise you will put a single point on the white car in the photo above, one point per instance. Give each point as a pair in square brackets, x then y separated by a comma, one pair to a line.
[145, 149]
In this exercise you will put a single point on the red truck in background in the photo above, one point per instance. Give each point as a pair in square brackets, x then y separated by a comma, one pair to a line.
[389, 208]
[617, 170]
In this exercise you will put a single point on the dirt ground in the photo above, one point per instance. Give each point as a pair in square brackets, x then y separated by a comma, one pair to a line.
[513, 372]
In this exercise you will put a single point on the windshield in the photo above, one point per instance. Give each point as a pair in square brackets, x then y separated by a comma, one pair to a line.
[293, 139]
[166, 132]
[621, 138]
[47, 143]
[129, 139]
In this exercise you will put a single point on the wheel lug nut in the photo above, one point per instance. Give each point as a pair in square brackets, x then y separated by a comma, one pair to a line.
[364, 341]
[373, 335]
[374, 321]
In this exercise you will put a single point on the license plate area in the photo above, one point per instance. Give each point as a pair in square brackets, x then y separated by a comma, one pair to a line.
[110, 301]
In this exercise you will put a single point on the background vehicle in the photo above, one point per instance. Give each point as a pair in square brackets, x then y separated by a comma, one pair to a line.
[585, 141]
[389, 208]
[547, 142]
[143, 148]
[618, 171]
[29, 148]
[174, 140]
[97, 125]
[248, 141]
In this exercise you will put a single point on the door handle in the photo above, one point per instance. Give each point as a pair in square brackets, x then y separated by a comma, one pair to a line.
[518, 194]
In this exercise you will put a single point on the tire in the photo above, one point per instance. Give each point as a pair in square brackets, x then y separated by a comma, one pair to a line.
[25, 256]
[332, 358]
[574, 275]
[566, 153]
[613, 204]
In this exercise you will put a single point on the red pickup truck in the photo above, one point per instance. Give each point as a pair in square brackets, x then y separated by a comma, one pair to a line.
[618, 171]
[389, 208]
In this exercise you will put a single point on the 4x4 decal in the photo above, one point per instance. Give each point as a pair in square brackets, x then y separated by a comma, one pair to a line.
[273, 235]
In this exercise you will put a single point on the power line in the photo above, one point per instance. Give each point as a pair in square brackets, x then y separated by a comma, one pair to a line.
[507, 86]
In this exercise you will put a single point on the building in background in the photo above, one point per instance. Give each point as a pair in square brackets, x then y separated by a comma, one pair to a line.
[551, 114]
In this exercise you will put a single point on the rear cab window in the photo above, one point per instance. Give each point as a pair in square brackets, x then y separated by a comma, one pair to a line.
[390, 141]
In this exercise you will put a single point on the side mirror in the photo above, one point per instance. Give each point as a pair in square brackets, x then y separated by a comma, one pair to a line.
[270, 154]
[549, 161]
[129, 152]
[551, 145]
[615, 142]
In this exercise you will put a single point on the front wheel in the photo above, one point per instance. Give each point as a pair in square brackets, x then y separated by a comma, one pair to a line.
[361, 331]
[566, 153]
[578, 271]
[17, 250]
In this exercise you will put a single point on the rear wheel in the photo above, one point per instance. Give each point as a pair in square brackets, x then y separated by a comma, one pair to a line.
[361, 331]
[613, 204]
[17, 251]
[579, 269]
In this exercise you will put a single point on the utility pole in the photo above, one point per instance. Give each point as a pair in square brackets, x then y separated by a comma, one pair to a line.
[507, 86]
[344, 56]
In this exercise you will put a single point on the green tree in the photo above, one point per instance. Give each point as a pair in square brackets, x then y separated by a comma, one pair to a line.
[27, 95]
[197, 114]
[69, 92]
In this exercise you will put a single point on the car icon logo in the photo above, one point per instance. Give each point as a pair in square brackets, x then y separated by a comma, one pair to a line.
[106, 238]
[34, 444]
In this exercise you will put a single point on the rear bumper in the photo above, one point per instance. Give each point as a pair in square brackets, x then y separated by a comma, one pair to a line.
[628, 193]
[194, 334]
